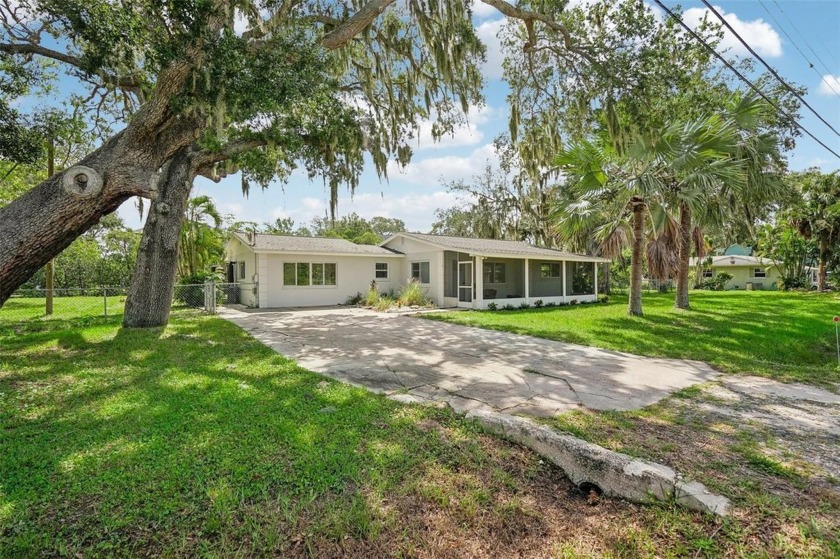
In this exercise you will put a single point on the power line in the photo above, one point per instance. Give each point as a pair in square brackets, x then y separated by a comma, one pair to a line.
[804, 56]
[805, 40]
[769, 68]
[744, 79]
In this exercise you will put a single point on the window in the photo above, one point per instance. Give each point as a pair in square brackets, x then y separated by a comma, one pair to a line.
[708, 273]
[551, 270]
[302, 274]
[759, 273]
[495, 272]
[381, 270]
[420, 271]
[241, 268]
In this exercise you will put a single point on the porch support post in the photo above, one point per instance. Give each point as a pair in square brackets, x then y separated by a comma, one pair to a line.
[563, 265]
[478, 296]
[527, 282]
[596, 278]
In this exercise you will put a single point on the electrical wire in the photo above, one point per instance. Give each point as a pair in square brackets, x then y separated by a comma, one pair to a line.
[743, 78]
[769, 68]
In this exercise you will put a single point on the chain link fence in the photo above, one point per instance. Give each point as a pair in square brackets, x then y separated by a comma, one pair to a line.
[34, 304]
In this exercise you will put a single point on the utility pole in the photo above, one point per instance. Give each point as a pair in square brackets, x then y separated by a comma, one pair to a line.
[49, 271]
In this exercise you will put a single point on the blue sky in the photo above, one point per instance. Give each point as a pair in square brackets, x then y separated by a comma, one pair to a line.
[415, 192]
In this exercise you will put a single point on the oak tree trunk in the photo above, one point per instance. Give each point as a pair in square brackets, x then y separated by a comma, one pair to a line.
[684, 256]
[153, 282]
[36, 227]
[635, 303]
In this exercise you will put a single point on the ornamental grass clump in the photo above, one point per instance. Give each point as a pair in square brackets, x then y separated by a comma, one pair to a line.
[413, 295]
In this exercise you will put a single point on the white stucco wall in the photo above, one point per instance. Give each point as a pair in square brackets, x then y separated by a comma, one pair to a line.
[743, 274]
[353, 275]
[236, 251]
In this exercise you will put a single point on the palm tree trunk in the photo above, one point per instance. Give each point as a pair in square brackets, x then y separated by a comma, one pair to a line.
[635, 303]
[823, 259]
[684, 257]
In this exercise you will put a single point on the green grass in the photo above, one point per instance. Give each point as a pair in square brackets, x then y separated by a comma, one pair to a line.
[198, 441]
[28, 308]
[787, 336]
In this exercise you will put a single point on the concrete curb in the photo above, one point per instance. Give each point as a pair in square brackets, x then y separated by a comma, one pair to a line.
[615, 474]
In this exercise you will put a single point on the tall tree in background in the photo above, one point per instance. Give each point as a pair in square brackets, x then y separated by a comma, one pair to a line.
[817, 216]
[201, 237]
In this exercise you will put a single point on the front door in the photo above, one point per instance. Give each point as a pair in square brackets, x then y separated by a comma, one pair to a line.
[465, 284]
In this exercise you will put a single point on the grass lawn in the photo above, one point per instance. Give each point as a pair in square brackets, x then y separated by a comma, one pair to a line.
[27, 308]
[787, 336]
[197, 440]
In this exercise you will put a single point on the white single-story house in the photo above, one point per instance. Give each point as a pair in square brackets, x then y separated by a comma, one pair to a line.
[748, 272]
[286, 271]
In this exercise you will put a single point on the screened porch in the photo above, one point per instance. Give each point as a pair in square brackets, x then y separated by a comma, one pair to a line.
[476, 281]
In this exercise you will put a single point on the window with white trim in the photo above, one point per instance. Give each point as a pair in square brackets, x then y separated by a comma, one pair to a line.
[420, 271]
[759, 273]
[495, 272]
[381, 270]
[240, 266]
[305, 274]
[551, 270]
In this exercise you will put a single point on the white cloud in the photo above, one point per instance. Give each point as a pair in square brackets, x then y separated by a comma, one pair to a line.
[829, 85]
[488, 33]
[759, 34]
[447, 167]
[482, 10]
[469, 134]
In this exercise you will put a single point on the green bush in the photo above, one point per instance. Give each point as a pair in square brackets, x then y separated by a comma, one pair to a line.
[413, 295]
[371, 298]
[604, 299]
[355, 299]
[538, 303]
[716, 283]
[492, 306]
[508, 307]
[523, 305]
[550, 304]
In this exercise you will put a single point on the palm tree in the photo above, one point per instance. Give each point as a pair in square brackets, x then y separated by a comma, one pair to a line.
[609, 188]
[819, 215]
[201, 241]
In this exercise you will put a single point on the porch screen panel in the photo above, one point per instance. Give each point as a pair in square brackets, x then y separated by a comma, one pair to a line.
[580, 278]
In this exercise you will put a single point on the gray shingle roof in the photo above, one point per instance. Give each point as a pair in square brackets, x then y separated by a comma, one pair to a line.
[496, 247]
[311, 245]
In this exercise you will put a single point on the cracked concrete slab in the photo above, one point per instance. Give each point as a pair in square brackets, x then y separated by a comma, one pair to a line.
[468, 368]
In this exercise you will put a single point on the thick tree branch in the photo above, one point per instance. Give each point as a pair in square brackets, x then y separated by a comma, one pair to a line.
[529, 17]
[355, 24]
[76, 62]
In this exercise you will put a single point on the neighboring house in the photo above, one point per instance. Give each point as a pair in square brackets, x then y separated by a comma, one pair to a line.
[748, 272]
[455, 271]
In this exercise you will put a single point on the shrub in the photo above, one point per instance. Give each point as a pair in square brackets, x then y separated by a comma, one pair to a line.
[538, 303]
[508, 307]
[550, 304]
[716, 283]
[371, 298]
[492, 306]
[355, 299]
[523, 305]
[384, 303]
[574, 302]
[413, 296]
[604, 299]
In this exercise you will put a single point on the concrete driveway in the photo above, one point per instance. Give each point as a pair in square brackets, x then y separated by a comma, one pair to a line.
[469, 368]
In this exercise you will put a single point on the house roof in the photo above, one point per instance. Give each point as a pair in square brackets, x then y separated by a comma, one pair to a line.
[735, 260]
[261, 242]
[495, 247]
